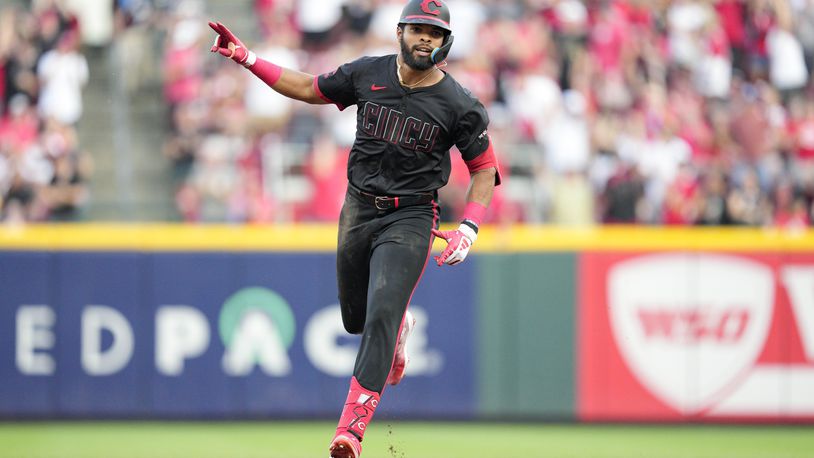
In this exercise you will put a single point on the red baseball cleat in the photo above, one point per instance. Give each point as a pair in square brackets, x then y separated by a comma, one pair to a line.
[345, 445]
[401, 359]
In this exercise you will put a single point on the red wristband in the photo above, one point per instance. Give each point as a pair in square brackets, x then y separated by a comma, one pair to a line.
[267, 71]
[474, 212]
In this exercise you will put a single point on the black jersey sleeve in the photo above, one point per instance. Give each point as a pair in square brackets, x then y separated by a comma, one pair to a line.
[338, 86]
[470, 133]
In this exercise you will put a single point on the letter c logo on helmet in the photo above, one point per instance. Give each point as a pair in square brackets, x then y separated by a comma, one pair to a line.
[432, 12]
[425, 7]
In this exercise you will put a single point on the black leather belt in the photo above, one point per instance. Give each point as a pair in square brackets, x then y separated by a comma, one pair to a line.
[391, 202]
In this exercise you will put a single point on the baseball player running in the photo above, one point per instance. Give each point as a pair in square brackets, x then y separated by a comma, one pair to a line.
[409, 114]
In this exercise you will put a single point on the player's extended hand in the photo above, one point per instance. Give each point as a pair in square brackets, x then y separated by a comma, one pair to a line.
[228, 45]
[458, 243]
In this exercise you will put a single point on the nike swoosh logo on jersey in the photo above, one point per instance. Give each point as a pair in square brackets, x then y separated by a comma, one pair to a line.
[373, 87]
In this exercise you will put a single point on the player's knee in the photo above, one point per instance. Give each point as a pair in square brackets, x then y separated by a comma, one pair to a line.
[353, 323]
[352, 327]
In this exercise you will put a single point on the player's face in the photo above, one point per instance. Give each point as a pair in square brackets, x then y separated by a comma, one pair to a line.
[417, 42]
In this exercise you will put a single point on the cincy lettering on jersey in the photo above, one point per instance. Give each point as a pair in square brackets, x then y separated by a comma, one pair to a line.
[390, 125]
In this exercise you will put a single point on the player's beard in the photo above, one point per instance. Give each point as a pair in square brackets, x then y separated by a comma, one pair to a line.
[416, 63]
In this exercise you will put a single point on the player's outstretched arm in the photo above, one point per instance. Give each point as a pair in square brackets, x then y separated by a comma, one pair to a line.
[459, 241]
[290, 83]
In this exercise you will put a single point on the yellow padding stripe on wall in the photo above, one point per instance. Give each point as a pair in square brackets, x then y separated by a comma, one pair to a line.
[322, 238]
[170, 237]
[643, 238]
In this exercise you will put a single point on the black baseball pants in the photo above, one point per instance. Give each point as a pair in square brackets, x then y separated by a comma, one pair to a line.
[381, 255]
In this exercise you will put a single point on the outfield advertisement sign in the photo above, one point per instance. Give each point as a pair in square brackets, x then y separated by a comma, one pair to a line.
[211, 334]
[694, 335]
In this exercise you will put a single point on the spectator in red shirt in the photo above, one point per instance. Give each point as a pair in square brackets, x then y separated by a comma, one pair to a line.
[789, 209]
[325, 168]
[19, 127]
[681, 200]
[731, 15]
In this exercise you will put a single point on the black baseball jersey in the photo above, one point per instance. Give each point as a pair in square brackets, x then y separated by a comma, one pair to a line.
[403, 136]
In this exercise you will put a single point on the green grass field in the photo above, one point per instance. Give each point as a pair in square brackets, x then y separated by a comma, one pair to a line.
[399, 440]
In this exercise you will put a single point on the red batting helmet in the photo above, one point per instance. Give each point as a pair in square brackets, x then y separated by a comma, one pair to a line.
[432, 12]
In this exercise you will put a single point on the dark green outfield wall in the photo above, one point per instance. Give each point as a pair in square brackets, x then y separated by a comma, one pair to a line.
[526, 352]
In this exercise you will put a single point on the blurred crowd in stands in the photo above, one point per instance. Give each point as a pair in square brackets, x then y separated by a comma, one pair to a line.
[682, 112]
[43, 171]
[674, 112]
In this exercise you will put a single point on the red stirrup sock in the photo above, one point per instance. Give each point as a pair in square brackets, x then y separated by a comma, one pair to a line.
[358, 411]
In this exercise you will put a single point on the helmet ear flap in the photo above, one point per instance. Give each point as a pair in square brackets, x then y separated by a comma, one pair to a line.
[439, 54]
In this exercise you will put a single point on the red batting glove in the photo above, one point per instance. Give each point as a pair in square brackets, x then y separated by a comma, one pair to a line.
[458, 243]
[228, 45]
